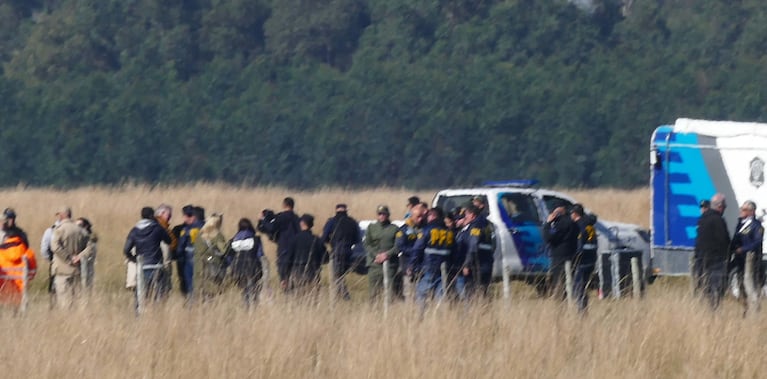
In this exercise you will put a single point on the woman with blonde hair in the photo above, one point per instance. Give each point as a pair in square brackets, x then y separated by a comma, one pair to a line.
[210, 264]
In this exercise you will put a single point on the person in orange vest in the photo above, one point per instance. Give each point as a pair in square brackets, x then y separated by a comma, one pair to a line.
[12, 251]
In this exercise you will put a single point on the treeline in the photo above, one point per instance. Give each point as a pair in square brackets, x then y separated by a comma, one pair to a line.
[418, 93]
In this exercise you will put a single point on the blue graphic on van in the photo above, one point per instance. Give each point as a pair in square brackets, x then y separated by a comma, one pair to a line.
[679, 183]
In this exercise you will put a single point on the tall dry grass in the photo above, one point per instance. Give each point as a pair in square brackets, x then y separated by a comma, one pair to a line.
[667, 334]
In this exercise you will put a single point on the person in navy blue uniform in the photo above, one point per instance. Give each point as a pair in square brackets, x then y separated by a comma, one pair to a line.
[404, 241]
[475, 249]
[748, 237]
[432, 249]
[585, 255]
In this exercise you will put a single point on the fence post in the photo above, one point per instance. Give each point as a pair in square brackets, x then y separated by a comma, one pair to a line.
[636, 277]
[693, 276]
[568, 281]
[265, 272]
[25, 286]
[140, 288]
[386, 287]
[506, 275]
[748, 283]
[332, 286]
[84, 276]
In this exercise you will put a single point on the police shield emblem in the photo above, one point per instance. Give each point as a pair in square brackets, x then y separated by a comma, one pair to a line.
[757, 172]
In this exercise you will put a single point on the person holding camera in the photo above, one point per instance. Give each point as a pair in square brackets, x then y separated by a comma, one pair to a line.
[561, 236]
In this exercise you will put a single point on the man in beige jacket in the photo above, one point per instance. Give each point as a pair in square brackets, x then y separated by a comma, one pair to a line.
[67, 242]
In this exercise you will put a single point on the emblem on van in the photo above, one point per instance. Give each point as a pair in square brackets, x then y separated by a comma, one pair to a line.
[757, 172]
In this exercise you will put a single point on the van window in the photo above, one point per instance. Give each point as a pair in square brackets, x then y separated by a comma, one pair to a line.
[520, 207]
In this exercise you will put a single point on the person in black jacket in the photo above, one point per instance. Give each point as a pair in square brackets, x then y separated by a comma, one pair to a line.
[561, 235]
[713, 245]
[341, 232]
[146, 237]
[282, 229]
[585, 255]
[306, 255]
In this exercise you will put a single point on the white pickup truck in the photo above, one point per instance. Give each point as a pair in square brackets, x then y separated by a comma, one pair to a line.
[519, 243]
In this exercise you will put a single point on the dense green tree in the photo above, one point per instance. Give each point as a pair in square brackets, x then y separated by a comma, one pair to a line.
[421, 93]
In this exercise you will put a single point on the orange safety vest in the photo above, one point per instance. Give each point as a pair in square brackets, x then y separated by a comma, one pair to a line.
[12, 252]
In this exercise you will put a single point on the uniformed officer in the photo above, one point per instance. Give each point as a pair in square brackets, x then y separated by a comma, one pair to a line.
[585, 255]
[404, 241]
[431, 250]
[380, 247]
[475, 244]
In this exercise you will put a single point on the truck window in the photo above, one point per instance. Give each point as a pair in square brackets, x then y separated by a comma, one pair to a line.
[448, 203]
[552, 201]
[520, 207]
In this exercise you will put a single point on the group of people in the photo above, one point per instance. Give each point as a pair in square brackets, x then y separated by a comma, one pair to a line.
[720, 259]
[205, 259]
[570, 235]
[413, 253]
[433, 254]
[70, 247]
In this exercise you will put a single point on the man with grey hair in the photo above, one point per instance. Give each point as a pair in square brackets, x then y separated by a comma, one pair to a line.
[713, 244]
[747, 245]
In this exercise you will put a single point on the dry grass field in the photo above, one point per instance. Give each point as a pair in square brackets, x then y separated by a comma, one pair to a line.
[667, 334]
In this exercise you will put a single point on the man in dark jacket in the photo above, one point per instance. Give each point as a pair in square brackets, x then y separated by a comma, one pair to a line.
[713, 244]
[306, 255]
[146, 237]
[585, 255]
[561, 235]
[281, 229]
[341, 232]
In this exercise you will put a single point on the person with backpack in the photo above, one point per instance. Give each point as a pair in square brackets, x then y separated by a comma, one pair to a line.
[306, 256]
[209, 260]
[585, 256]
[281, 228]
[246, 251]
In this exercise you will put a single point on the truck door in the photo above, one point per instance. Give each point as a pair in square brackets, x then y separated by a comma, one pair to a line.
[520, 214]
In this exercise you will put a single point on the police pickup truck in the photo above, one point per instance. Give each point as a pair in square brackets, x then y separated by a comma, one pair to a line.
[518, 210]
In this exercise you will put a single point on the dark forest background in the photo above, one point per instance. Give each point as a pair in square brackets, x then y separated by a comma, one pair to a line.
[416, 93]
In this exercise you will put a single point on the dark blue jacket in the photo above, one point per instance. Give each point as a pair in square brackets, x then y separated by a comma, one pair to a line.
[186, 239]
[433, 247]
[405, 240]
[748, 236]
[478, 241]
[586, 254]
[146, 237]
[561, 235]
[284, 227]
